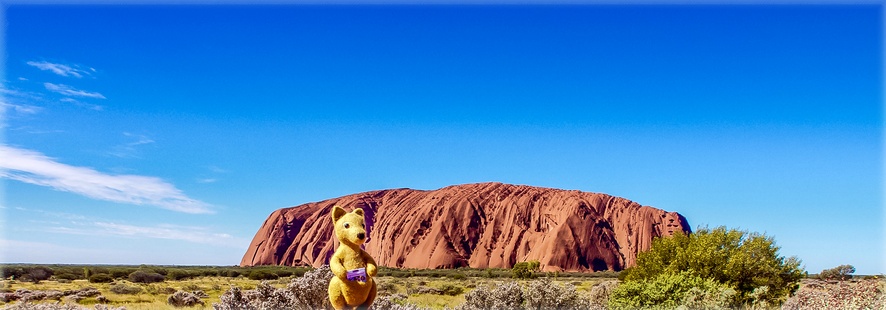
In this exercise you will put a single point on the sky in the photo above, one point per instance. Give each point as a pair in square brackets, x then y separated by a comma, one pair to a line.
[147, 134]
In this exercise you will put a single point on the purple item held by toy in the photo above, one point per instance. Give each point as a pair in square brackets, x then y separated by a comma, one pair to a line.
[358, 274]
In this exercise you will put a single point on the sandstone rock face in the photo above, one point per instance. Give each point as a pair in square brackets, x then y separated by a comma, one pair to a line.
[485, 225]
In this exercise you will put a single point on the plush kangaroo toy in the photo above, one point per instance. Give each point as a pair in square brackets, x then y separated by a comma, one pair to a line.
[352, 286]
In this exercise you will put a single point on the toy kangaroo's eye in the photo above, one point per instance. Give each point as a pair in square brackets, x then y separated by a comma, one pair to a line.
[347, 225]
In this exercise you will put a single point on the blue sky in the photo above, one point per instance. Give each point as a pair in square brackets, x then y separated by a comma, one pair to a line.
[167, 134]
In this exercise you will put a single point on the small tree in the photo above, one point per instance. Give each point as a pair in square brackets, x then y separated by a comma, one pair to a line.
[524, 270]
[841, 272]
[744, 261]
[36, 274]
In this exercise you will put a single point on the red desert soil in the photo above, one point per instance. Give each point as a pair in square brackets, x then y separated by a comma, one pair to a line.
[484, 225]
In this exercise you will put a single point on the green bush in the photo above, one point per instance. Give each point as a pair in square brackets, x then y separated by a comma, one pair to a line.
[261, 275]
[177, 274]
[146, 277]
[669, 291]
[524, 270]
[451, 290]
[100, 278]
[744, 261]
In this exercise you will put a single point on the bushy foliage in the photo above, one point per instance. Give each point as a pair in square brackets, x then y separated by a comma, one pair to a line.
[36, 274]
[599, 297]
[233, 299]
[177, 275]
[306, 292]
[183, 299]
[141, 276]
[261, 275]
[124, 289]
[502, 296]
[27, 296]
[668, 291]
[451, 289]
[524, 270]
[865, 294]
[393, 302]
[744, 261]
[545, 294]
[311, 291]
[100, 278]
[26, 273]
[42, 306]
[841, 273]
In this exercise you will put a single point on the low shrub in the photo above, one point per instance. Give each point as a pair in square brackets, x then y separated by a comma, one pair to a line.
[599, 295]
[502, 296]
[544, 294]
[183, 299]
[386, 288]
[191, 287]
[100, 278]
[309, 291]
[261, 275]
[451, 290]
[393, 302]
[177, 275]
[124, 289]
[141, 276]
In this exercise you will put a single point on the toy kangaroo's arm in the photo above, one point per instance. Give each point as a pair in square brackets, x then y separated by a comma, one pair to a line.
[371, 268]
[337, 268]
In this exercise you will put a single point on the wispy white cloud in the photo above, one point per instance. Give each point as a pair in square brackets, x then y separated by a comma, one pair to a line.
[70, 91]
[76, 224]
[166, 231]
[35, 168]
[18, 101]
[62, 69]
[19, 108]
[83, 104]
[130, 148]
[214, 172]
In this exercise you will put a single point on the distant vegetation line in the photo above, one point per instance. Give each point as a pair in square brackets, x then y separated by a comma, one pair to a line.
[159, 273]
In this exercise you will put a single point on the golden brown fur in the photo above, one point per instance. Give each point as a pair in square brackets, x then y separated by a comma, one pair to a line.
[343, 293]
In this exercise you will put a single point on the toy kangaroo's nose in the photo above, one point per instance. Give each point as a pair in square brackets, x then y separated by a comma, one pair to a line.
[361, 236]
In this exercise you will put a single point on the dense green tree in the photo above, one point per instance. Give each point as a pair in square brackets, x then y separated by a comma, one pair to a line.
[524, 270]
[739, 259]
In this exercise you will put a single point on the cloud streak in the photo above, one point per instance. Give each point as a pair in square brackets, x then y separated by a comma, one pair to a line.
[35, 168]
[130, 149]
[169, 232]
[61, 69]
[70, 91]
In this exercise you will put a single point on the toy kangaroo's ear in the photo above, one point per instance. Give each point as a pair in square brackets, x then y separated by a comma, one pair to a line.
[359, 211]
[337, 213]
